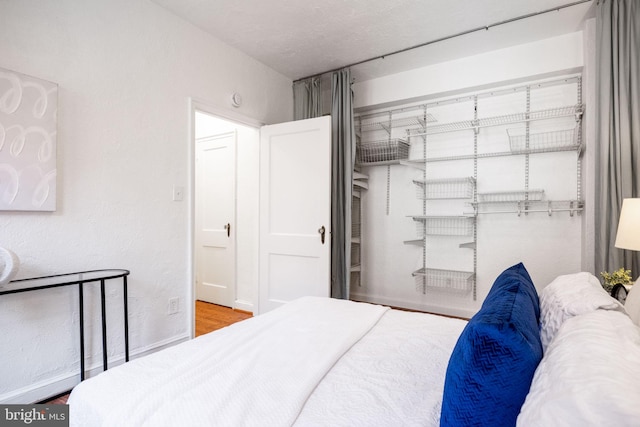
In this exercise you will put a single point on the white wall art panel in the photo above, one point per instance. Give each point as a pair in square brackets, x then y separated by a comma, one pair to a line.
[28, 118]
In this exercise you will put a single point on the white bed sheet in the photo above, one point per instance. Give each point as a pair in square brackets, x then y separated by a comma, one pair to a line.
[386, 368]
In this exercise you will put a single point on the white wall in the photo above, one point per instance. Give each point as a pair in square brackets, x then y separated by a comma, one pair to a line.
[514, 63]
[125, 70]
[502, 239]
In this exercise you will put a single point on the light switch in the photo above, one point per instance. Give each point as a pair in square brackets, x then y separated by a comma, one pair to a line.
[178, 193]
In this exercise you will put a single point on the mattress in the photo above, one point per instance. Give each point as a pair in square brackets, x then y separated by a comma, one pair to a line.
[312, 362]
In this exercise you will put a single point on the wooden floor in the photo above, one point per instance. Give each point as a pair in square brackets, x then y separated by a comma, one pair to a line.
[209, 317]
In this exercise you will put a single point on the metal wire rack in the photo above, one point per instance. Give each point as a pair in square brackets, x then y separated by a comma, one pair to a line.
[551, 140]
[549, 113]
[510, 196]
[443, 280]
[383, 122]
[390, 150]
[450, 127]
[449, 188]
[443, 225]
[573, 110]
[531, 206]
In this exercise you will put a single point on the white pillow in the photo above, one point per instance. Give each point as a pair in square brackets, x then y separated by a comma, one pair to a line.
[632, 303]
[568, 296]
[589, 376]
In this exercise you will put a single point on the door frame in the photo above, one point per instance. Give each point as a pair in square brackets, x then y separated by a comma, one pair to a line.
[195, 105]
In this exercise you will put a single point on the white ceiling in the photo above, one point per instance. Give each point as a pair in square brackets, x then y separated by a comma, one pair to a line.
[299, 38]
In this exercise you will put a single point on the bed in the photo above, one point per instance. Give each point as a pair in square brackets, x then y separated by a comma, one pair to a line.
[523, 359]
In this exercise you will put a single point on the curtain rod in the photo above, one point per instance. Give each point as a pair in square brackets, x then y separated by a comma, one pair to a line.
[486, 27]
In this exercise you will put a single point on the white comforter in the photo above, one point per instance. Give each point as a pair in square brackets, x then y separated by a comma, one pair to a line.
[262, 372]
[394, 376]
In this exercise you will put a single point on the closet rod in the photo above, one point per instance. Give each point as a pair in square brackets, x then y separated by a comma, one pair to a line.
[486, 27]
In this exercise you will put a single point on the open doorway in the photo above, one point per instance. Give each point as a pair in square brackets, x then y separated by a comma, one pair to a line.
[225, 177]
[278, 237]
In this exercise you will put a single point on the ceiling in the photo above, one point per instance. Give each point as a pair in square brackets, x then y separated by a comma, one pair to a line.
[300, 38]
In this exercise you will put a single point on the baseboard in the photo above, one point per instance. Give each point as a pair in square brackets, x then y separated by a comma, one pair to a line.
[244, 306]
[61, 383]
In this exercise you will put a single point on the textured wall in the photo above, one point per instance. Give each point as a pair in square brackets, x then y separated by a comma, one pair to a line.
[518, 62]
[125, 70]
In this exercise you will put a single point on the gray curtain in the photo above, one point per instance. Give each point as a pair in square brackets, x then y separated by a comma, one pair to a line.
[617, 119]
[343, 154]
[307, 98]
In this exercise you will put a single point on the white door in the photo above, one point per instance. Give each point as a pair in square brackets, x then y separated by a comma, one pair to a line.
[295, 211]
[215, 215]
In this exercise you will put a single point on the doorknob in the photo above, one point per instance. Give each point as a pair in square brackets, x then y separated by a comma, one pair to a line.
[228, 228]
[321, 230]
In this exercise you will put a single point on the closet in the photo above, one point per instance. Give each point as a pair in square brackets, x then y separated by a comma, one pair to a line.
[460, 187]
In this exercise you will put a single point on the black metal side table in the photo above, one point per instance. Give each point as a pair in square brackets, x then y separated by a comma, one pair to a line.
[80, 279]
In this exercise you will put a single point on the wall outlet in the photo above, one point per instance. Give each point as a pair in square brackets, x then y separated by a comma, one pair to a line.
[173, 305]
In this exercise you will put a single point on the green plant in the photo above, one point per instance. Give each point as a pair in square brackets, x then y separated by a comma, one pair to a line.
[620, 276]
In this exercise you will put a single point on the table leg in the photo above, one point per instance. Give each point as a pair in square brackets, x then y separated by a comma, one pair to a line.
[126, 320]
[104, 326]
[81, 313]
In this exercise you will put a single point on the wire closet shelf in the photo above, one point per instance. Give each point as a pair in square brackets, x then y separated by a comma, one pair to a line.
[443, 280]
[446, 188]
[507, 119]
[443, 225]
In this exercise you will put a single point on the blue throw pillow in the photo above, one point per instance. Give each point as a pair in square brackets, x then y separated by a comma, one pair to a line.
[492, 364]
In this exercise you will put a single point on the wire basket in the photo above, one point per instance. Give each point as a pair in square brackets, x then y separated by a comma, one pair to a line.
[511, 196]
[382, 151]
[443, 225]
[551, 140]
[453, 188]
[443, 280]
[382, 121]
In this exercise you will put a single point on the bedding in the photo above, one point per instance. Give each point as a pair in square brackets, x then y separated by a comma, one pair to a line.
[632, 304]
[590, 375]
[262, 371]
[568, 296]
[491, 368]
[327, 362]
[393, 376]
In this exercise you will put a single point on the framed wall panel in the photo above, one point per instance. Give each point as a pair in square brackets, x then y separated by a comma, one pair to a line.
[28, 122]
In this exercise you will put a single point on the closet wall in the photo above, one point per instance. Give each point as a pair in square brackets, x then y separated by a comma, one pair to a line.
[475, 246]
